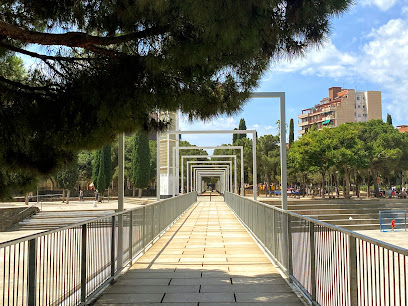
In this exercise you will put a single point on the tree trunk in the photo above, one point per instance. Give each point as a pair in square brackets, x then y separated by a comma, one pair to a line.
[63, 195]
[368, 185]
[68, 193]
[134, 191]
[337, 186]
[357, 188]
[346, 183]
[322, 187]
[140, 192]
[374, 175]
[108, 194]
[26, 199]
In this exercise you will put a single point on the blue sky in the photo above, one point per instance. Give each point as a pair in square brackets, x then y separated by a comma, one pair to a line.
[367, 50]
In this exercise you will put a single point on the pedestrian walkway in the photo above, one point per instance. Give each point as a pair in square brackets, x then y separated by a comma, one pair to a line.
[206, 258]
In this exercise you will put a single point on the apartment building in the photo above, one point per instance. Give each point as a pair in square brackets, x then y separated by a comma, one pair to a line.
[342, 105]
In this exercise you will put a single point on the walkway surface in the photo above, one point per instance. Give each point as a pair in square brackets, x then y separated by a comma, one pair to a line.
[206, 258]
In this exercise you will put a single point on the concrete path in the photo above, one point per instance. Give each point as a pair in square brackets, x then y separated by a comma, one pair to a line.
[206, 258]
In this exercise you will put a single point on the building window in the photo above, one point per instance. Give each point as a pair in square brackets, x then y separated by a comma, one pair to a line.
[358, 98]
[359, 106]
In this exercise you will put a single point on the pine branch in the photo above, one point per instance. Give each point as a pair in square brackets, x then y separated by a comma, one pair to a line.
[70, 39]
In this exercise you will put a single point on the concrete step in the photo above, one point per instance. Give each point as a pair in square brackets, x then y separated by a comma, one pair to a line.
[342, 222]
[46, 220]
[364, 213]
[344, 216]
[308, 206]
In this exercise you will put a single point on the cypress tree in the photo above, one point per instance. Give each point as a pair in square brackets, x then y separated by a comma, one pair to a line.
[102, 168]
[102, 177]
[95, 167]
[389, 119]
[234, 137]
[140, 168]
[291, 132]
[242, 126]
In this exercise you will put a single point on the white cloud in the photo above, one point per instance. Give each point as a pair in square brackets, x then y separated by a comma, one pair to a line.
[382, 61]
[383, 5]
[221, 123]
[323, 61]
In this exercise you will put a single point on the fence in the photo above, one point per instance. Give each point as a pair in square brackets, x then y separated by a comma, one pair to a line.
[70, 265]
[328, 264]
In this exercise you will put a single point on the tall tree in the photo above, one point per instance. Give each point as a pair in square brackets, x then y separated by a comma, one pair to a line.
[291, 132]
[140, 173]
[389, 119]
[102, 169]
[95, 166]
[242, 126]
[110, 64]
[67, 177]
[234, 137]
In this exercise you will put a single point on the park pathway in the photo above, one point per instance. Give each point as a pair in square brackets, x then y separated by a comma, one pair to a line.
[206, 258]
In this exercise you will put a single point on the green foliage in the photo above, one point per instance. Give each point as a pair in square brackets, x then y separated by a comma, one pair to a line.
[16, 182]
[268, 158]
[242, 126]
[67, 176]
[140, 173]
[389, 119]
[153, 157]
[234, 137]
[291, 132]
[372, 145]
[102, 168]
[85, 159]
[95, 166]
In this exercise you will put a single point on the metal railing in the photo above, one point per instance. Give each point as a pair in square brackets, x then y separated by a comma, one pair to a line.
[328, 264]
[70, 265]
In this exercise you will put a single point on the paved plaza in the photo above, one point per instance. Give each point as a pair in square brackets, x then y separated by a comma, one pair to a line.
[206, 258]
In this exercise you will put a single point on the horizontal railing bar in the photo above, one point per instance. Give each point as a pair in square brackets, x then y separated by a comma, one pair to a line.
[374, 241]
[74, 225]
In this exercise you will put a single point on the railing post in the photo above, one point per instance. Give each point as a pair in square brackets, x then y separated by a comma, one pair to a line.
[153, 222]
[32, 270]
[144, 229]
[289, 231]
[312, 260]
[353, 271]
[83, 264]
[130, 237]
[113, 250]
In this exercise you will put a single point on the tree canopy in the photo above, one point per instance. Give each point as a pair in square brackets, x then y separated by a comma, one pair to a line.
[351, 147]
[103, 67]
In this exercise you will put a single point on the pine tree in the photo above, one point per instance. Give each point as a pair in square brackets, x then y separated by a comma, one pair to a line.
[203, 58]
[291, 132]
[389, 119]
[140, 168]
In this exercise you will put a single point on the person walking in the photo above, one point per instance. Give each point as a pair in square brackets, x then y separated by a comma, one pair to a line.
[81, 195]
